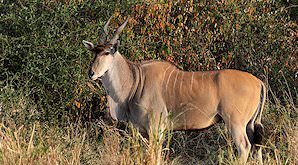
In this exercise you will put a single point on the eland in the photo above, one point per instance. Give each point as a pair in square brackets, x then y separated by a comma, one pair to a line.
[138, 92]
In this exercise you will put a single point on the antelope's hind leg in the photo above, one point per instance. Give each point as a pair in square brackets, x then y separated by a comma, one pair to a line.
[238, 131]
[256, 151]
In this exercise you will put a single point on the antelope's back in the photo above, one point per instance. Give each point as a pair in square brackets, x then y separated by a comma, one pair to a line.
[181, 86]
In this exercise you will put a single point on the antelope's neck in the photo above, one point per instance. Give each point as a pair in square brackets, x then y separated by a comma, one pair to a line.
[118, 81]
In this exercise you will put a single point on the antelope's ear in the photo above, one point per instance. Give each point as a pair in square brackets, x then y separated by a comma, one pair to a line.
[88, 45]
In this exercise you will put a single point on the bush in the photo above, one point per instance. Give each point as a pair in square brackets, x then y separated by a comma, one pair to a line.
[257, 37]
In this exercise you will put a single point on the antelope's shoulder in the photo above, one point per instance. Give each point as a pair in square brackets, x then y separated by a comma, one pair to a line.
[157, 69]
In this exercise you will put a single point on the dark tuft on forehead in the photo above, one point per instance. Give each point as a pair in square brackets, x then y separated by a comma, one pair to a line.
[100, 47]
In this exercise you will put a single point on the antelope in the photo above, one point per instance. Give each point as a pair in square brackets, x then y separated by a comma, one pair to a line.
[138, 92]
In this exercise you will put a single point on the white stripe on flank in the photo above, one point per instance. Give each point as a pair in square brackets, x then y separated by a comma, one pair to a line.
[191, 80]
[164, 74]
[167, 68]
[203, 81]
[169, 79]
[175, 79]
[181, 81]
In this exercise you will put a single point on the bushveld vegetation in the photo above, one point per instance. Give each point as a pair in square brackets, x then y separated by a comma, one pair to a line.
[52, 114]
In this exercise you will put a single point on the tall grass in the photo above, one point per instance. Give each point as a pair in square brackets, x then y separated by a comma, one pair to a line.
[51, 114]
[34, 145]
[39, 144]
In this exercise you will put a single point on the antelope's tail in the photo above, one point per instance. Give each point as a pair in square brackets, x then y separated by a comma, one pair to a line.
[258, 127]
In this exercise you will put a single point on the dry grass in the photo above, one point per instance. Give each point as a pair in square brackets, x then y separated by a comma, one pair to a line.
[121, 147]
[214, 146]
[38, 145]
[35, 145]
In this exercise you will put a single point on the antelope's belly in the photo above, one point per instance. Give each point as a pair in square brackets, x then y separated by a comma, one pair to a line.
[191, 116]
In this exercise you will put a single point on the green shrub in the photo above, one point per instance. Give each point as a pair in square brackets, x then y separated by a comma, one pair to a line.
[42, 57]
[256, 36]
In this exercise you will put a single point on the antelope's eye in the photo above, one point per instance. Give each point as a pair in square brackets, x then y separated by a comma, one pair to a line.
[106, 53]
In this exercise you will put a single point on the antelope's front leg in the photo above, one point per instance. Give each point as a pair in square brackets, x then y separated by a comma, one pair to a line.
[116, 110]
